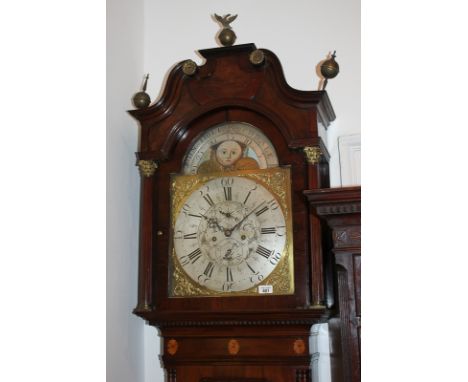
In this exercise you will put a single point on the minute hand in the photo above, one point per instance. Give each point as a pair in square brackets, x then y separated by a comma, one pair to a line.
[246, 216]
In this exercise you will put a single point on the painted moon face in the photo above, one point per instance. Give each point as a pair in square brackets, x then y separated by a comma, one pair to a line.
[228, 153]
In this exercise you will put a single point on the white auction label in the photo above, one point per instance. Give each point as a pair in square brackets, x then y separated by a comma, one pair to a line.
[265, 289]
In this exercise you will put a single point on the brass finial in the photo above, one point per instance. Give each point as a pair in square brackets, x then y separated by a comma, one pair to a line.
[226, 37]
[329, 69]
[257, 57]
[189, 68]
[142, 99]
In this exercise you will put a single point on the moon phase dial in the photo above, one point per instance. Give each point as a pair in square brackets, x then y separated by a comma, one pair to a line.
[228, 147]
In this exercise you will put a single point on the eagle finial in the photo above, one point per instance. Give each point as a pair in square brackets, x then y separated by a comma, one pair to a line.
[227, 37]
[225, 20]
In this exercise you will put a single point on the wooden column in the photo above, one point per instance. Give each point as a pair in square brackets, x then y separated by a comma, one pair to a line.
[145, 269]
[313, 155]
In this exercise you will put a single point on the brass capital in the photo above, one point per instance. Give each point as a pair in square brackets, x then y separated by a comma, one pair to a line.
[312, 154]
[143, 307]
[147, 167]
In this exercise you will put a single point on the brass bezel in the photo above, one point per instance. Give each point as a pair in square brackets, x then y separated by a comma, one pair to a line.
[278, 182]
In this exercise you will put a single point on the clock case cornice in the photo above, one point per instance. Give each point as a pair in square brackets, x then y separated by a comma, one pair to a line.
[186, 98]
[335, 201]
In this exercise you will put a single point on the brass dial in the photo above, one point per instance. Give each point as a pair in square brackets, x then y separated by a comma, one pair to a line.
[231, 233]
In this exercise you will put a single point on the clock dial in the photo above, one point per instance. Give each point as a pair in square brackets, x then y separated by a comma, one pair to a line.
[230, 234]
[228, 147]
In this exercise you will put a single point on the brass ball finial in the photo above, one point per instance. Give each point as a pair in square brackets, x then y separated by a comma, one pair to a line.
[189, 67]
[142, 99]
[329, 69]
[257, 57]
[226, 37]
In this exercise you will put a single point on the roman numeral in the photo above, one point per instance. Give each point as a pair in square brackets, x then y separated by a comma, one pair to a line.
[195, 216]
[209, 269]
[195, 255]
[229, 275]
[262, 251]
[268, 230]
[190, 236]
[261, 211]
[208, 199]
[228, 193]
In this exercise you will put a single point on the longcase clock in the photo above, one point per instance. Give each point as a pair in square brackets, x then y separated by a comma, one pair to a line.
[230, 263]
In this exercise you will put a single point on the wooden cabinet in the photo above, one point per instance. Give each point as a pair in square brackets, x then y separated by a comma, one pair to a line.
[222, 337]
[340, 211]
[238, 352]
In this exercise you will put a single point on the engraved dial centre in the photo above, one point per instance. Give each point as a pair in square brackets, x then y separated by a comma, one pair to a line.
[227, 235]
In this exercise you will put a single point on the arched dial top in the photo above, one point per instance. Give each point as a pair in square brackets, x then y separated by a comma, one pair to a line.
[230, 146]
[231, 233]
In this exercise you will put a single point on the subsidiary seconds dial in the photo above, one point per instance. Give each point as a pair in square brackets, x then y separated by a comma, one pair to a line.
[230, 234]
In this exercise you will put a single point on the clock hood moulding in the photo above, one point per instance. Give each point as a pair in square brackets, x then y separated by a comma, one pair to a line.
[229, 79]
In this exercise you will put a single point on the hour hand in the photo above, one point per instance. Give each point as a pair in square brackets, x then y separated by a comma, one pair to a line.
[217, 225]
[213, 221]
[227, 214]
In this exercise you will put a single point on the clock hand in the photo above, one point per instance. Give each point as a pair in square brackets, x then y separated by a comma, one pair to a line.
[214, 221]
[227, 214]
[250, 213]
[243, 207]
[217, 225]
[230, 214]
[228, 232]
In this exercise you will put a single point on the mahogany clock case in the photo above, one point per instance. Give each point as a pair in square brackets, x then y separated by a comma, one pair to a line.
[226, 88]
[227, 338]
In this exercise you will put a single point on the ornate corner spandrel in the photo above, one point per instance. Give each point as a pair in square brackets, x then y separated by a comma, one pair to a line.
[313, 154]
[147, 167]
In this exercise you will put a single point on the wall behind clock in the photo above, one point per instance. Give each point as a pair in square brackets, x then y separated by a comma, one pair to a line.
[125, 348]
[300, 32]
[151, 36]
